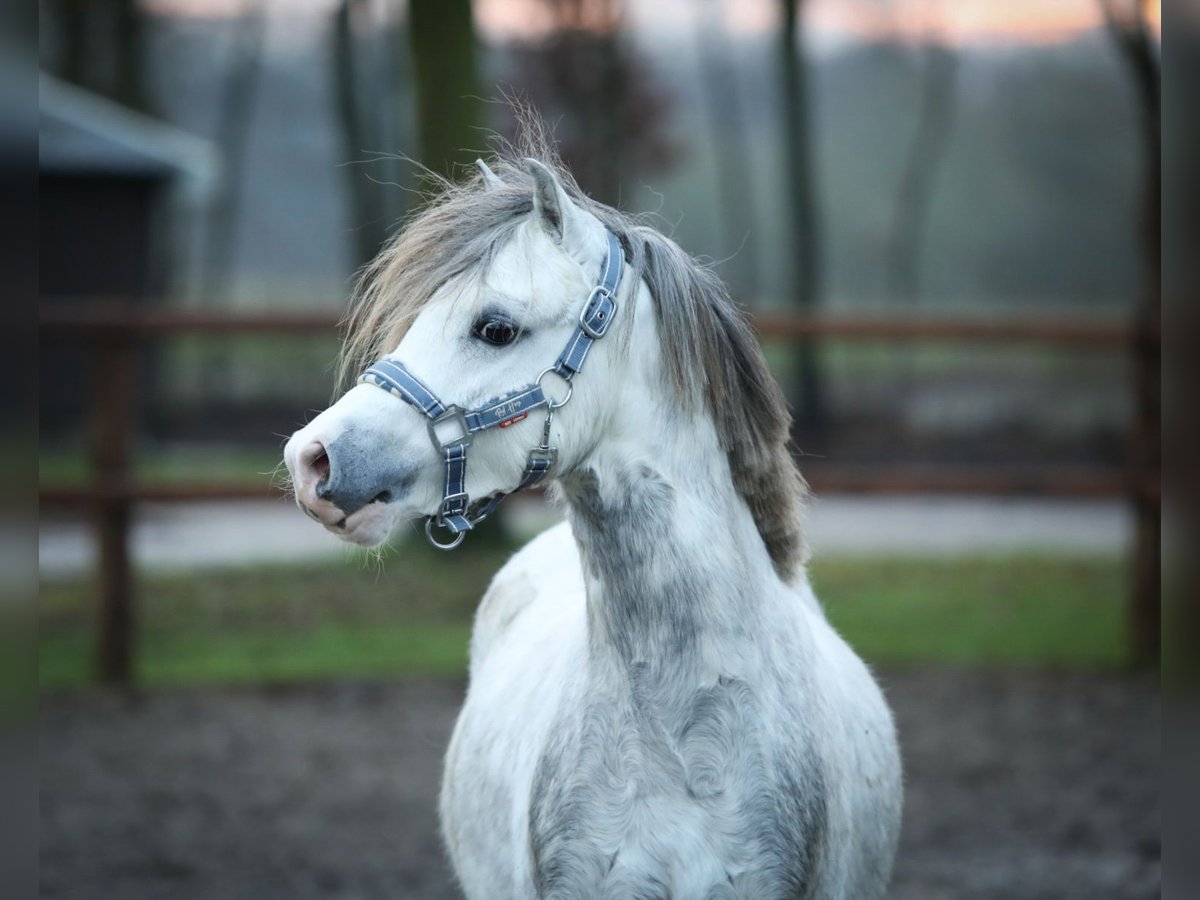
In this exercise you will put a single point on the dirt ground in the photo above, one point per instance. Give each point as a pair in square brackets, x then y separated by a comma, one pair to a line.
[1020, 785]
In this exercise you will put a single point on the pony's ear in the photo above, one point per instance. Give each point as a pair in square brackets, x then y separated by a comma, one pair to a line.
[553, 208]
[490, 179]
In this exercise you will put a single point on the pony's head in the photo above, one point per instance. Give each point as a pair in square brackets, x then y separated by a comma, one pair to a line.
[476, 296]
[479, 294]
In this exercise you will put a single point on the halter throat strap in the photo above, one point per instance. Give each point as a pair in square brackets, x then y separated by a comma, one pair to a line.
[452, 427]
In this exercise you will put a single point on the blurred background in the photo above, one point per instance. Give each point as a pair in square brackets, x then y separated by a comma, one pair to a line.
[943, 217]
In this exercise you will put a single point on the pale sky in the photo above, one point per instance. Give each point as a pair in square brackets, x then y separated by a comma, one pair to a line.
[958, 21]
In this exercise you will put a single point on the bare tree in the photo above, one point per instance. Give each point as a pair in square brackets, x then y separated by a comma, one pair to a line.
[910, 218]
[70, 18]
[1127, 24]
[609, 114]
[802, 209]
[728, 129]
[129, 49]
[449, 106]
[365, 199]
[237, 101]
[102, 48]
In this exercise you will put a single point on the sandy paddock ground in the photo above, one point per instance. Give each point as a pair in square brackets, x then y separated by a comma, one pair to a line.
[1020, 785]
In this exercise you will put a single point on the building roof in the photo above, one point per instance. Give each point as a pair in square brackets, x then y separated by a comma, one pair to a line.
[82, 133]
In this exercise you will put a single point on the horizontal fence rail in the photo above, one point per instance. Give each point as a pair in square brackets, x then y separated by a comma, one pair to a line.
[95, 321]
[1093, 483]
[113, 321]
[115, 330]
[1042, 330]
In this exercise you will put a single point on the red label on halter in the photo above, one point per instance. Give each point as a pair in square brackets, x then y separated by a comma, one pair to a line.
[513, 421]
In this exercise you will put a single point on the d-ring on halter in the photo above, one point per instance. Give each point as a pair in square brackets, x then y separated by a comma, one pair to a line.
[452, 427]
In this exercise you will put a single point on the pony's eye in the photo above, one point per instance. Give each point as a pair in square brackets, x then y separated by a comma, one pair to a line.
[496, 331]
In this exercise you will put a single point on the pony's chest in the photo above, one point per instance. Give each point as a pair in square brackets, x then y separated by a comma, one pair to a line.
[630, 803]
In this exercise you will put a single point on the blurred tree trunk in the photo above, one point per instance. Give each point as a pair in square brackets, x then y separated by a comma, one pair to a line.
[1131, 34]
[733, 158]
[389, 115]
[611, 114]
[238, 96]
[72, 19]
[802, 209]
[449, 106]
[129, 51]
[1180, 55]
[910, 220]
[368, 227]
[608, 116]
[103, 48]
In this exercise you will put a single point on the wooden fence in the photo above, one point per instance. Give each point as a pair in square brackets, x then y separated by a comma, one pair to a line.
[115, 331]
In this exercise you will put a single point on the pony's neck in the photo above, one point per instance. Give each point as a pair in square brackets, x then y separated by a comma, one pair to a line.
[675, 569]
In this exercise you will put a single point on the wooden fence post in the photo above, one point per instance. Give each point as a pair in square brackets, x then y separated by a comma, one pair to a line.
[111, 436]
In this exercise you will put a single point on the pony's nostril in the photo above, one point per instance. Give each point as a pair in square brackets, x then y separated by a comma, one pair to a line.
[315, 460]
[382, 497]
[320, 465]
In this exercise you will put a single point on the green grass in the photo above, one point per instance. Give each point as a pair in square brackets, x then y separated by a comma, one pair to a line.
[991, 610]
[72, 469]
[323, 652]
[411, 615]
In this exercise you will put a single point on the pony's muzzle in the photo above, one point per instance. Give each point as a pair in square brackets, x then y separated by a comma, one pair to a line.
[335, 480]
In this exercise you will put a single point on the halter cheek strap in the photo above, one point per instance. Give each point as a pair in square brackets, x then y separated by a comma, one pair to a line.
[452, 428]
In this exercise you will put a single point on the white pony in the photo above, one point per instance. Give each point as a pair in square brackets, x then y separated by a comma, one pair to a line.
[657, 707]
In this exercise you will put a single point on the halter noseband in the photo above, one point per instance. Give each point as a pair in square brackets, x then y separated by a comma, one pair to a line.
[451, 428]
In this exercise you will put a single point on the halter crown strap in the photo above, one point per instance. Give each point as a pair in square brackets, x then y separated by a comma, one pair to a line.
[596, 316]
[451, 427]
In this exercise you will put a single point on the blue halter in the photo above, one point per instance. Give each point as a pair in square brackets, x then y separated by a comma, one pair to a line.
[451, 428]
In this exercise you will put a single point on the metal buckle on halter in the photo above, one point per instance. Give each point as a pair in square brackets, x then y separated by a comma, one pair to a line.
[452, 414]
[597, 333]
[447, 510]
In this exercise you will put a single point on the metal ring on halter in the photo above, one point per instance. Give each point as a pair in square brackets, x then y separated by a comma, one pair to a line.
[570, 387]
[458, 538]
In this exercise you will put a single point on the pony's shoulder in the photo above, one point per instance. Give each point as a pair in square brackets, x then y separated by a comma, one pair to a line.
[547, 568]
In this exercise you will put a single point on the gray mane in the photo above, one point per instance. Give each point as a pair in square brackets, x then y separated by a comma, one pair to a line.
[709, 349]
